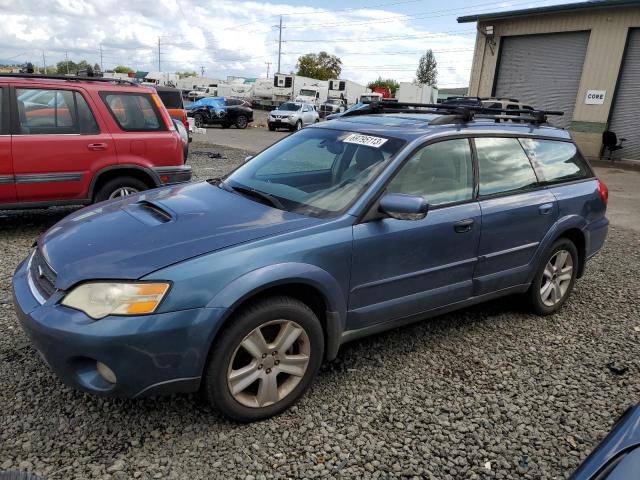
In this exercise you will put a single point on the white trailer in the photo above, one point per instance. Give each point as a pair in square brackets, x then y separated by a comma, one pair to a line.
[315, 93]
[346, 90]
[235, 90]
[417, 93]
[287, 87]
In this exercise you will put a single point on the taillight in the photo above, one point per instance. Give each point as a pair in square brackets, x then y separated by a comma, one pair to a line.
[185, 121]
[604, 191]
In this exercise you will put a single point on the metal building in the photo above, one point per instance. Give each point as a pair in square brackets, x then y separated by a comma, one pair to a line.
[582, 58]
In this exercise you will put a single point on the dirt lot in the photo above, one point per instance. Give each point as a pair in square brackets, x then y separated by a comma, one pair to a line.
[487, 392]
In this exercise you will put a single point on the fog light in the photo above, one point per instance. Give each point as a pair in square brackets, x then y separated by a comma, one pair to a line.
[106, 372]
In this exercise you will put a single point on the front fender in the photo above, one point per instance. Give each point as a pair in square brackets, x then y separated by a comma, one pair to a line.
[256, 281]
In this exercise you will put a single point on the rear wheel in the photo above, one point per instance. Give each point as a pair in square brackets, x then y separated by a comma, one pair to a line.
[241, 122]
[119, 187]
[555, 277]
[199, 120]
[265, 360]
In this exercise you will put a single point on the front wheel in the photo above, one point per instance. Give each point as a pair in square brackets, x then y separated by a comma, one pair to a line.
[272, 128]
[265, 360]
[555, 277]
[297, 126]
[198, 120]
[241, 122]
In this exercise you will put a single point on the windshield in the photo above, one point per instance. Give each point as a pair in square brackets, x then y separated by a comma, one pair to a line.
[289, 107]
[316, 171]
[334, 102]
[307, 93]
[369, 98]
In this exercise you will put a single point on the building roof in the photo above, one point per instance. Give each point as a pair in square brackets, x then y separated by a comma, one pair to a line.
[567, 7]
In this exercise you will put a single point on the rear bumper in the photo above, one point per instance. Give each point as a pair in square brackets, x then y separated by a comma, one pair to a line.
[596, 233]
[173, 175]
[151, 354]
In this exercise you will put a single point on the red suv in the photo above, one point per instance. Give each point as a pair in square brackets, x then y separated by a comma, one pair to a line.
[79, 140]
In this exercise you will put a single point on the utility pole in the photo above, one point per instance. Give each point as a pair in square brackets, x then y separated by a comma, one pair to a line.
[159, 69]
[44, 64]
[202, 70]
[279, 44]
[66, 57]
[268, 66]
[101, 67]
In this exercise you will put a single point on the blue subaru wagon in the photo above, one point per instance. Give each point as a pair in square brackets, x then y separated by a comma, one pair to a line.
[241, 286]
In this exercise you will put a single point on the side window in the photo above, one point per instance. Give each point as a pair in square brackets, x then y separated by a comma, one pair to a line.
[503, 166]
[441, 173]
[556, 161]
[50, 111]
[133, 112]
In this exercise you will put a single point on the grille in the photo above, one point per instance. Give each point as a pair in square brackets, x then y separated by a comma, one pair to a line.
[42, 275]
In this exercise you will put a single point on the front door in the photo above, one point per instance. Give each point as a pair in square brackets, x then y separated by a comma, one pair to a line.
[403, 267]
[7, 185]
[516, 215]
[58, 145]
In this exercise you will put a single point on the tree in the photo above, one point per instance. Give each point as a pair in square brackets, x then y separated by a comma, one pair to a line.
[28, 68]
[320, 66]
[97, 71]
[186, 74]
[123, 69]
[427, 73]
[389, 83]
[67, 66]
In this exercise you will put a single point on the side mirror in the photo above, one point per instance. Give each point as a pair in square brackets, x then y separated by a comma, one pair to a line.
[248, 158]
[403, 207]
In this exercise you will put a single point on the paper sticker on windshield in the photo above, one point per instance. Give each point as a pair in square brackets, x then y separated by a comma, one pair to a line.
[368, 140]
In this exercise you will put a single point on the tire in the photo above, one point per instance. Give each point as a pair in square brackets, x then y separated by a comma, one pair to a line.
[317, 120]
[557, 286]
[271, 128]
[297, 126]
[115, 188]
[241, 122]
[18, 475]
[252, 401]
[199, 120]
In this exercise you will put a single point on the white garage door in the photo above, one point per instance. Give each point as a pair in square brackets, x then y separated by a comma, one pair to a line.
[624, 115]
[543, 71]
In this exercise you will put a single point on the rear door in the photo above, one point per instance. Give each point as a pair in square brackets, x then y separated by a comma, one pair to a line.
[58, 143]
[7, 185]
[516, 214]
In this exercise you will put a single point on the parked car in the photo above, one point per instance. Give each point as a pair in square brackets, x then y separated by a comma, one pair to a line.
[333, 105]
[75, 141]
[618, 455]
[199, 93]
[172, 100]
[341, 230]
[221, 111]
[292, 116]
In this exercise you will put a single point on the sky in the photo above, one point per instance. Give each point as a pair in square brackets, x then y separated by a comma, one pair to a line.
[235, 37]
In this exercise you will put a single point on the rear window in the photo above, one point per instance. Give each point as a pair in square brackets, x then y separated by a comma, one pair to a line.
[133, 112]
[556, 161]
[171, 99]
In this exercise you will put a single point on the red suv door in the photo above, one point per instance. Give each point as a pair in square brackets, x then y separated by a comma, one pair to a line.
[58, 143]
[7, 186]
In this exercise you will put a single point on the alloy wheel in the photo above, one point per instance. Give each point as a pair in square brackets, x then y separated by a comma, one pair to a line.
[122, 192]
[556, 278]
[269, 363]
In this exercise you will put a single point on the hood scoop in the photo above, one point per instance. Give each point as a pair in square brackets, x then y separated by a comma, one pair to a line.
[149, 213]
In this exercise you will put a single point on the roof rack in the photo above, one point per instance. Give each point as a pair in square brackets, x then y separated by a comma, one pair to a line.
[70, 77]
[455, 113]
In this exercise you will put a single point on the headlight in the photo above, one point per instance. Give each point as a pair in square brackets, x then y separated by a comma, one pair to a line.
[291, 116]
[101, 299]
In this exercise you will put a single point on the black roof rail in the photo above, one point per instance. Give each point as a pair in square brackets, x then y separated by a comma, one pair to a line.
[455, 113]
[69, 77]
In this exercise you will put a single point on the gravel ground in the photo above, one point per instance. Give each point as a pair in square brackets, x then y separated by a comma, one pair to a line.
[488, 392]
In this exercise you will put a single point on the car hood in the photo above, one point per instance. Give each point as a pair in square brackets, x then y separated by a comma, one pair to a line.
[284, 112]
[134, 236]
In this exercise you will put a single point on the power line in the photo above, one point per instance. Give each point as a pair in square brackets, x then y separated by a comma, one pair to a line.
[388, 37]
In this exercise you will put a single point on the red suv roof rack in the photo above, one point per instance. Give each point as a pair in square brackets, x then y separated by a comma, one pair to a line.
[70, 77]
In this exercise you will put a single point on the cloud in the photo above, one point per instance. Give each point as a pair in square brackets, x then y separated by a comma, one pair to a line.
[228, 37]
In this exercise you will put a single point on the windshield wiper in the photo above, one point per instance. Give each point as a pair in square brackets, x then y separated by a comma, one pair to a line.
[250, 192]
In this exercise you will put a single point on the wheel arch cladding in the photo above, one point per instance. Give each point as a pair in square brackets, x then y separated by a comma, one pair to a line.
[105, 175]
[310, 284]
[577, 236]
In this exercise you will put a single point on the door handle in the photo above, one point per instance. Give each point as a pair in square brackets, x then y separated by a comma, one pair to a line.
[545, 209]
[97, 146]
[463, 225]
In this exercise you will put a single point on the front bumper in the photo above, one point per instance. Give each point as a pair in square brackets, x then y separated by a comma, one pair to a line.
[173, 175]
[283, 122]
[149, 354]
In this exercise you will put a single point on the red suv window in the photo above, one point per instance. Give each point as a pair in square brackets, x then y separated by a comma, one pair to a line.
[133, 112]
[52, 111]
